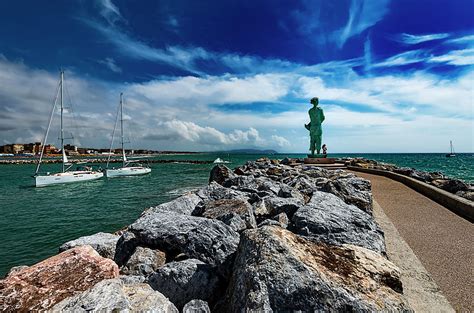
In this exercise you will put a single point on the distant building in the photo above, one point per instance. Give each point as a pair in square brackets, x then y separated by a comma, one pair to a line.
[15, 148]
[34, 148]
[70, 148]
[50, 149]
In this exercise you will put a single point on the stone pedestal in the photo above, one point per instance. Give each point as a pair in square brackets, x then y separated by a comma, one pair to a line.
[324, 160]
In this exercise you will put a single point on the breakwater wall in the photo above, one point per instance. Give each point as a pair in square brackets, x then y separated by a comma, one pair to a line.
[54, 161]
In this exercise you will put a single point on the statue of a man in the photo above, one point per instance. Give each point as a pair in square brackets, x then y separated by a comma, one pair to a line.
[316, 116]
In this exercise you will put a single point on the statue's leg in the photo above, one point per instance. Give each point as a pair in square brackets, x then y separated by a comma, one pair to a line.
[318, 143]
[312, 146]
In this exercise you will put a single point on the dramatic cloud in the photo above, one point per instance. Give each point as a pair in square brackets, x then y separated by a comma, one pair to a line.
[362, 15]
[416, 39]
[215, 90]
[404, 58]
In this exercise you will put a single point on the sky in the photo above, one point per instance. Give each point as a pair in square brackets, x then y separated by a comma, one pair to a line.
[391, 76]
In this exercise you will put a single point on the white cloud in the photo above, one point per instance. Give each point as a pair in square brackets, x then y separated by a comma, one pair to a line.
[214, 90]
[468, 39]
[281, 141]
[110, 63]
[416, 39]
[362, 15]
[455, 57]
[404, 58]
[109, 11]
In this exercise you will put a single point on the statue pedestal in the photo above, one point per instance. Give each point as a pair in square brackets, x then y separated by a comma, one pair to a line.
[316, 160]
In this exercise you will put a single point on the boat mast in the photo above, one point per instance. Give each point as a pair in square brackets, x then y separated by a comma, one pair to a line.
[62, 109]
[121, 128]
[451, 145]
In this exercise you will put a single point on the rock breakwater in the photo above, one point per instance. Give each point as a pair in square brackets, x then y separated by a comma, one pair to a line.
[262, 237]
[437, 179]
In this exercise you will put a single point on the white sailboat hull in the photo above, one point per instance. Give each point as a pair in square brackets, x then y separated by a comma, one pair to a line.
[66, 178]
[127, 171]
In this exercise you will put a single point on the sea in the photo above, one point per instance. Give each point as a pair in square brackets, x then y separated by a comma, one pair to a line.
[34, 222]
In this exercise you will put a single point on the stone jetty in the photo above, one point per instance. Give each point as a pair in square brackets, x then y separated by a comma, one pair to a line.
[263, 237]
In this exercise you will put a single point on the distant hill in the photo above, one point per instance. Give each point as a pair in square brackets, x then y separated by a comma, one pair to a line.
[250, 151]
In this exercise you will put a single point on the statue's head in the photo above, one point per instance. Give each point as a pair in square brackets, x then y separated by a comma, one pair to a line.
[314, 101]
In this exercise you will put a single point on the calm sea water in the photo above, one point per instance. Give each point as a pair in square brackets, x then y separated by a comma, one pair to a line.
[34, 222]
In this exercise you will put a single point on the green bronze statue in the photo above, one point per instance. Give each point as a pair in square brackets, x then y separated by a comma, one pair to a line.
[316, 116]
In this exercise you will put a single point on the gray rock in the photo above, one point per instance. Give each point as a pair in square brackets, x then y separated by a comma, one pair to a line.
[236, 213]
[112, 295]
[214, 191]
[451, 185]
[183, 205]
[103, 243]
[208, 240]
[327, 218]
[276, 205]
[353, 190]
[143, 298]
[220, 173]
[186, 280]
[290, 192]
[280, 220]
[107, 295]
[126, 246]
[132, 279]
[144, 261]
[469, 195]
[196, 306]
[278, 270]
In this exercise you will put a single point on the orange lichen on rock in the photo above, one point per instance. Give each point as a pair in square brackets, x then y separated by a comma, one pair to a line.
[44, 284]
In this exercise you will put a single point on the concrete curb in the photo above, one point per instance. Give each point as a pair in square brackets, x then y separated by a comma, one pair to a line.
[456, 204]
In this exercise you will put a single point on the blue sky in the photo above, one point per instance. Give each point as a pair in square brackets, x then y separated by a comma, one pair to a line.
[392, 76]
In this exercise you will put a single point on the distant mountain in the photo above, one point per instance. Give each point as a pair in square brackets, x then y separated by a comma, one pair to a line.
[250, 151]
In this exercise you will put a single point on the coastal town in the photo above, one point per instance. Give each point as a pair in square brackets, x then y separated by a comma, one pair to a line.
[34, 149]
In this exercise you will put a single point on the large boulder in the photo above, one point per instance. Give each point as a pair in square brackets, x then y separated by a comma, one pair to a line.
[236, 213]
[280, 271]
[183, 205]
[451, 185]
[103, 243]
[186, 280]
[112, 295]
[214, 191]
[272, 206]
[353, 190]
[208, 240]
[220, 173]
[143, 262]
[40, 286]
[327, 218]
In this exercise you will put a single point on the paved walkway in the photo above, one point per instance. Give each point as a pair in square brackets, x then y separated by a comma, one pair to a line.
[441, 240]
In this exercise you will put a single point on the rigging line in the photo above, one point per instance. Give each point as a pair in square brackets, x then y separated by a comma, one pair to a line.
[113, 135]
[47, 130]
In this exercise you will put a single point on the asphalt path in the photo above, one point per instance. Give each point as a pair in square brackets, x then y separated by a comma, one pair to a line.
[442, 241]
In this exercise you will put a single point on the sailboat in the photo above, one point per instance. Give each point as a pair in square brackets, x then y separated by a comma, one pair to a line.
[128, 168]
[450, 155]
[65, 176]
